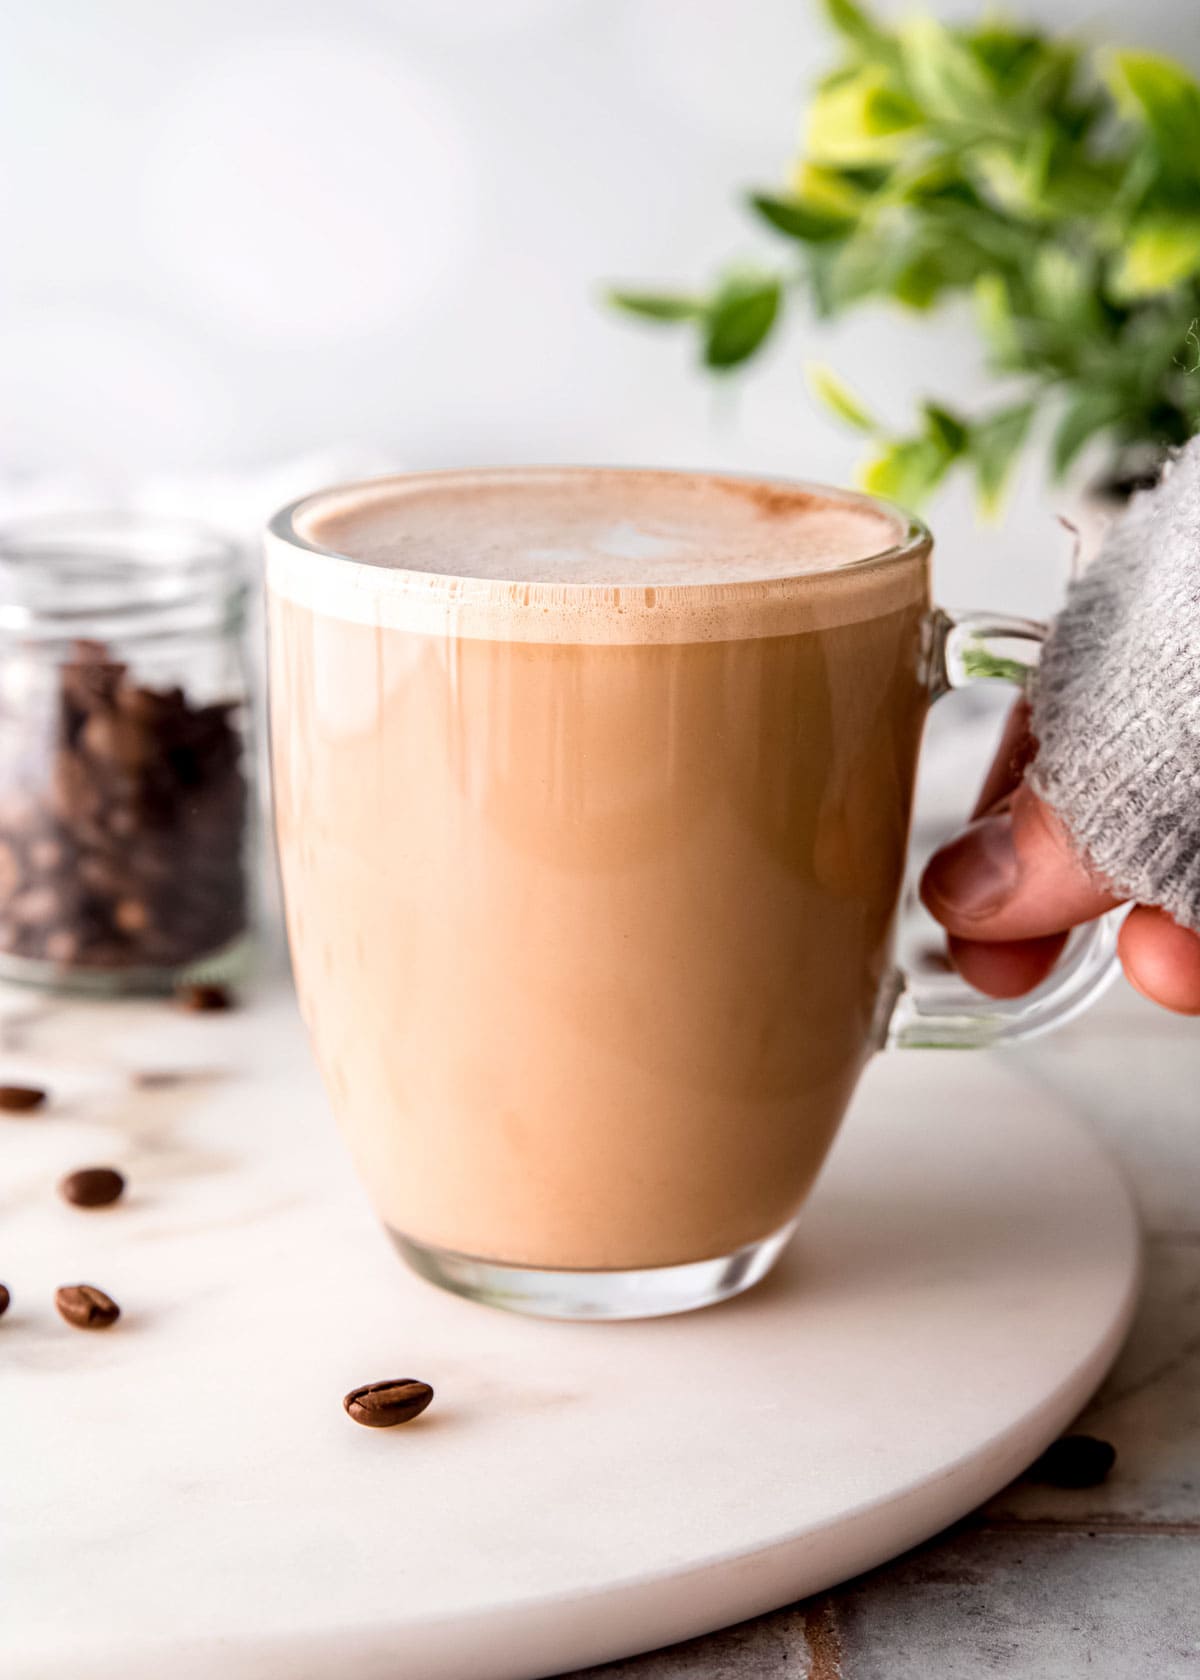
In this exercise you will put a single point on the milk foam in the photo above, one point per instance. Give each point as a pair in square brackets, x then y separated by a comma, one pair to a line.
[616, 529]
[567, 554]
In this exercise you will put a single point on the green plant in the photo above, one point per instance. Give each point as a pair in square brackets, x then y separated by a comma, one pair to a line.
[1057, 186]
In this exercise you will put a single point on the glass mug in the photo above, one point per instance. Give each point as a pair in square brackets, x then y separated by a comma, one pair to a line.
[591, 874]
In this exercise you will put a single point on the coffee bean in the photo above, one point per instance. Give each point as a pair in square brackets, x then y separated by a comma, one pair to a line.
[90, 678]
[204, 999]
[47, 855]
[62, 946]
[122, 821]
[1074, 1461]
[120, 741]
[74, 795]
[150, 708]
[35, 907]
[10, 871]
[382, 1405]
[86, 1307]
[100, 874]
[92, 1187]
[5, 1298]
[21, 1099]
[131, 915]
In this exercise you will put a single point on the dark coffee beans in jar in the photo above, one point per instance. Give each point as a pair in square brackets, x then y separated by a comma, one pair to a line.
[123, 808]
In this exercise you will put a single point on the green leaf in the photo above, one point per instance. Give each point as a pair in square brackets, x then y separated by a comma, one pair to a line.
[1161, 94]
[1090, 412]
[845, 274]
[907, 472]
[921, 176]
[944, 74]
[854, 22]
[979, 241]
[1045, 77]
[1016, 57]
[980, 663]
[994, 445]
[657, 306]
[918, 283]
[863, 119]
[1016, 173]
[838, 398]
[739, 318]
[994, 313]
[838, 193]
[946, 429]
[806, 222]
[1064, 288]
[1160, 251]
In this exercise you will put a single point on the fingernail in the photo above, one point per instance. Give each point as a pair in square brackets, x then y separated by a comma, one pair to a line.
[977, 872]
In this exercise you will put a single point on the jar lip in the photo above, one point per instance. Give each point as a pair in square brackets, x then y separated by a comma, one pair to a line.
[114, 573]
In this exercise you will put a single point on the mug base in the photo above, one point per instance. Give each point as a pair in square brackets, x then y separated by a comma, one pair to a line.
[645, 1292]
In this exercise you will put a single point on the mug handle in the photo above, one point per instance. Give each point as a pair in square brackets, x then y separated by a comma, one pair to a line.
[944, 1012]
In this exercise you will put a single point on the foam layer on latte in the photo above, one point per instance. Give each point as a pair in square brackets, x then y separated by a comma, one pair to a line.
[587, 555]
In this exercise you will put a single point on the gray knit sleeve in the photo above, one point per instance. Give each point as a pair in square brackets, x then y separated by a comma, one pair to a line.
[1116, 701]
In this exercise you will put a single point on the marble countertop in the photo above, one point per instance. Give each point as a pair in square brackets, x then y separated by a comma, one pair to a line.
[1047, 1584]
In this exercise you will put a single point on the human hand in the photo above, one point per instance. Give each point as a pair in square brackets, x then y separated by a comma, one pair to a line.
[1010, 887]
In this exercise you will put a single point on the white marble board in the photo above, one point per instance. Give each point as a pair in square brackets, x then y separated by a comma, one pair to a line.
[184, 1495]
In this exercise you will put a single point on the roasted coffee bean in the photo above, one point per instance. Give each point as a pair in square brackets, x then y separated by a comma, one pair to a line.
[101, 873]
[62, 946]
[150, 708]
[92, 1187]
[5, 1298]
[36, 907]
[116, 739]
[131, 915]
[47, 855]
[382, 1405]
[10, 871]
[73, 790]
[21, 1099]
[1074, 1461]
[86, 1307]
[121, 820]
[90, 678]
[204, 999]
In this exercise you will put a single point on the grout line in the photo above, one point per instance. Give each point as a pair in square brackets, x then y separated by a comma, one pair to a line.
[824, 1640]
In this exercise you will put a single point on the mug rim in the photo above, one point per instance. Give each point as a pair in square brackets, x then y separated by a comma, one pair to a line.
[913, 535]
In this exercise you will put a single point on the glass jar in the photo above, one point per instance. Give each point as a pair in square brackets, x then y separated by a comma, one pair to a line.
[125, 747]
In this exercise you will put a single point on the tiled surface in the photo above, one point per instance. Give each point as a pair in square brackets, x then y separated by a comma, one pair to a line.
[1049, 1584]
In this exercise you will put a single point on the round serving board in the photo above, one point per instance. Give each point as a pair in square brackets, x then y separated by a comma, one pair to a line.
[184, 1495]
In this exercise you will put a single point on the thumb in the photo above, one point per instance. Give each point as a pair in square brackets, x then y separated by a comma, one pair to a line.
[1013, 875]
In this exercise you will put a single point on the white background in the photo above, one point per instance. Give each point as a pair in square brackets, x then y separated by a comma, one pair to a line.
[240, 232]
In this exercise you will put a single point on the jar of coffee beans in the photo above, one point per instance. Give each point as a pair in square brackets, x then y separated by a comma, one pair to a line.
[124, 753]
